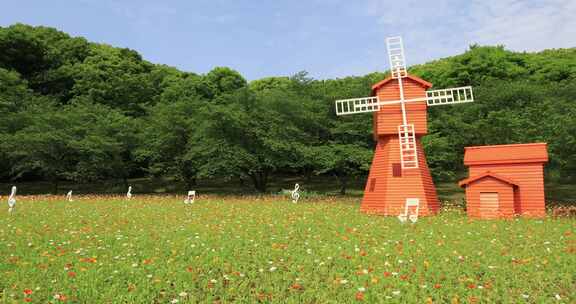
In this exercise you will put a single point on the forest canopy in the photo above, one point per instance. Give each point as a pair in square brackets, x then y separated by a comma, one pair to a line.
[73, 110]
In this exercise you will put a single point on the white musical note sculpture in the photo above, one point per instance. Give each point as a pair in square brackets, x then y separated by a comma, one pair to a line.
[69, 196]
[12, 200]
[295, 194]
[411, 203]
[129, 193]
[190, 198]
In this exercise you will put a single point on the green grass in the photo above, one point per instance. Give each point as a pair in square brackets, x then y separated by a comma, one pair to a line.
[248, 249]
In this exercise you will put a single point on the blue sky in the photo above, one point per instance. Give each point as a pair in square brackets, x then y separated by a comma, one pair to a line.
[327, 38]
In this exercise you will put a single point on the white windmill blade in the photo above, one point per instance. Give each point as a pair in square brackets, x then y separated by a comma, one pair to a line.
[396, 56]
[357, 105]
[449, 96]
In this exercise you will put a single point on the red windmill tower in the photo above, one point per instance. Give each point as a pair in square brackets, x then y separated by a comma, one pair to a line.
[399, 171]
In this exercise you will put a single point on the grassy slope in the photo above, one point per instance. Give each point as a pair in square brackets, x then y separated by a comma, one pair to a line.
[244, 249]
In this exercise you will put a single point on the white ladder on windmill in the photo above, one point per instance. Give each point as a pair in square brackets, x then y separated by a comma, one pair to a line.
[408, 148]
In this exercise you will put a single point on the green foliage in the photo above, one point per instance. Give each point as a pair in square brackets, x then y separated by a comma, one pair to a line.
[75, 110]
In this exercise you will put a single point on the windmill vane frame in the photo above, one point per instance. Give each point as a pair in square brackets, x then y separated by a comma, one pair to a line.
[399, 172]
[399, 71]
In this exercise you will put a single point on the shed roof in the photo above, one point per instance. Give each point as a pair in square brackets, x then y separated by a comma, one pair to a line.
[419, 80]
[473, 179]
[506, 154]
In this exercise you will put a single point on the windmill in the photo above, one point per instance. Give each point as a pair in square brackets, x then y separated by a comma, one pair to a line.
[399, 105]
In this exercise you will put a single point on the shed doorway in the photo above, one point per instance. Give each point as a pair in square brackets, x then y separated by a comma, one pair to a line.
[489, 204]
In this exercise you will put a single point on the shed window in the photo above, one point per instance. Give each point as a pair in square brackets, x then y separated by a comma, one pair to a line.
[372, 184]
[397, 170]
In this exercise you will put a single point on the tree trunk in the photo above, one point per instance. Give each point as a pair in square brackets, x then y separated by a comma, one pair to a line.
[343, 180]
[260, 180]
[55, 186]
[125, 182]
[308, 175]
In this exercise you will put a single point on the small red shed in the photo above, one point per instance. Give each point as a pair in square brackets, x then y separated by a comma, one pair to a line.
[505, 180]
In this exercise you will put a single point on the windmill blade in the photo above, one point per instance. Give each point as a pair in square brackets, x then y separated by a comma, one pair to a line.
[449, 96]
[357, 105]
[396, 56]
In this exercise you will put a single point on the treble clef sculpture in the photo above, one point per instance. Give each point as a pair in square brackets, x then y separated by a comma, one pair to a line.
[12, 200]
[69, 196]
[295, 194]
[129, 193]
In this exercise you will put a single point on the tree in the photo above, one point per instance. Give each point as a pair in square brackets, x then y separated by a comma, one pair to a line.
[168, 137]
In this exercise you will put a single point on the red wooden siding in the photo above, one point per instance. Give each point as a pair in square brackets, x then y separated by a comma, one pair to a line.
[389, 117]
[523, 164]
[489, 184]
[390, 193]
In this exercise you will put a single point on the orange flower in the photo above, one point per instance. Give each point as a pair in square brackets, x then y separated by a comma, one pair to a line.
[360, 296]
[28, 291]
[27, 300]
[71, 274]
[387, 274]
[296, 286]
[437, 286]
[471, 286]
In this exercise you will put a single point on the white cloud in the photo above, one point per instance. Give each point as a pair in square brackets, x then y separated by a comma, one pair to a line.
[524, 25]
[435, 29]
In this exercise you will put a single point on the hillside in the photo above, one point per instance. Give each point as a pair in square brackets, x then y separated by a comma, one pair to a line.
[80, 111]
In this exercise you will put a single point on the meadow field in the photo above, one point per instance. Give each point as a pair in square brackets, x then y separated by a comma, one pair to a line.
[247, 249]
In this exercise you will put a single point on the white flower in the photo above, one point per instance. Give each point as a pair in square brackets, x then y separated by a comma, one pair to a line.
[183, 294]
[361, 289]
[149, 276]
[557, 296]
[135, 265]
[525, 296]
[174, 301]
[343, 281]
[397, 292]
[213, 281]
[272, 269]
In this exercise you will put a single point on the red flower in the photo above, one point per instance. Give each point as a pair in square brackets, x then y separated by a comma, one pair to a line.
[27, 300]
[71, 274]
[359, 296]
[471, 286]
[437, 286]
[28, 291]
[387, 274]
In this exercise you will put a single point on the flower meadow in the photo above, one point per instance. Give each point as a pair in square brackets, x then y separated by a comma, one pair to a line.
[156, 249]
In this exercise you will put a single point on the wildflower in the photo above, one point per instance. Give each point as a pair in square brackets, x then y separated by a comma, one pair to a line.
[362, 289]
[272, 269]
[437, 286]
[27, 300]
[471, 286]
[396, 292]
[343, 282]
[183, 294]
[557, 296]
[71, 274]
[359, 296]
[296, 286]
[28, 291]
[525, 296]
[174, 301]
